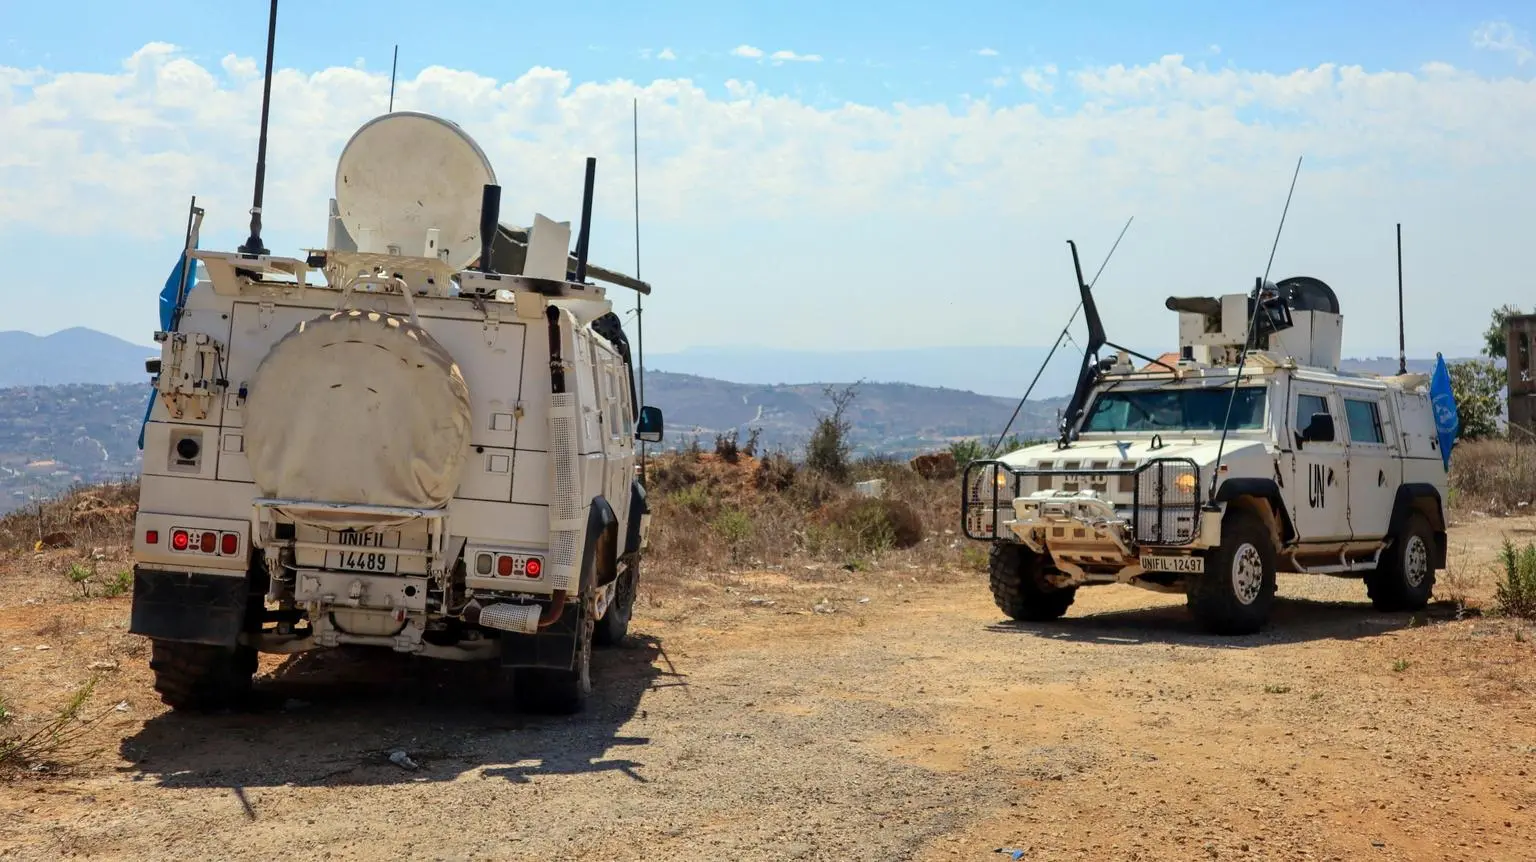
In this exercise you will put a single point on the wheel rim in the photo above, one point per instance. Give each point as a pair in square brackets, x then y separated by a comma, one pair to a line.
[1415, 561]
[1247, 574]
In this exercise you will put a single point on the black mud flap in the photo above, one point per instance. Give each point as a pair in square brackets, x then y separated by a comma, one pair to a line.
[191, 608]
[553, 647]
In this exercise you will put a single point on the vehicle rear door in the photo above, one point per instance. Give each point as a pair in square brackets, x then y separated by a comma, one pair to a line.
[1375, 469]
[1318, 491]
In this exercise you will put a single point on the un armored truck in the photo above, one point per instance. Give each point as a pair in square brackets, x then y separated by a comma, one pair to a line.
[421, 438]
[1206, 473]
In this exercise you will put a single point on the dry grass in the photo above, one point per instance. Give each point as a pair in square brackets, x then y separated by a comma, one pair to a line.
[84, 517]
[1496, 477]
[61, 739]
[768, 512]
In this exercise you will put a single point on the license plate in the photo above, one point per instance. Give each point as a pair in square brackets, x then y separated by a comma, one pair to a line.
[357, 557]
[1178, 564]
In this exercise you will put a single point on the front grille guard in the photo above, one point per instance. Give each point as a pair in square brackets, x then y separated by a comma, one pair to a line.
[1156, 503]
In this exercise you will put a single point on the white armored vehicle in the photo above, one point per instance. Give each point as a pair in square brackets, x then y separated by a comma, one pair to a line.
[1249, 453]
[420, 438]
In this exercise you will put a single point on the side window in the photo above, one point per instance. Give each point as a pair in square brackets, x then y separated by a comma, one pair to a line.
[1364, 421]
[1306, 407]
[613, 401]
[627, 425]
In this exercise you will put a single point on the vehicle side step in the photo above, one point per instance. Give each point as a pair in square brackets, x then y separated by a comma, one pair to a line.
[1343, 566]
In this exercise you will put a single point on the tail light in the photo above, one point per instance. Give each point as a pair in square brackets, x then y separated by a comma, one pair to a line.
[504, 566]
[180, 540]
[533, 568]
[151, 537]
[210, 542]
[229, 543]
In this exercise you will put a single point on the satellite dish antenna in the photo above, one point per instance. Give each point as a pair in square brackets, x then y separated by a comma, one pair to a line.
[410, 183]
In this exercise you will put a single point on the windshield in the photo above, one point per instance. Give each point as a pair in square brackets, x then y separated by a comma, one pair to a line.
[1177, 410]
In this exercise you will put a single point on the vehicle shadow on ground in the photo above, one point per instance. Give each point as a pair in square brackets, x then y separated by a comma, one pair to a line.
[334, 718]
[1295, 620]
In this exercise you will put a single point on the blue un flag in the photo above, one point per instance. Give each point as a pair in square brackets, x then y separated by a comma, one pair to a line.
[1443, 401]
[174, 293]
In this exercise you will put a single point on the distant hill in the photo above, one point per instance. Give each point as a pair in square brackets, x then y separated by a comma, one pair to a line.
[52, 437]
[893, 418]
[999, 371]
[77, 355]
[989, 370]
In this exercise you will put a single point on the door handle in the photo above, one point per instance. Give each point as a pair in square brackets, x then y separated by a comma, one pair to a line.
[1381, 478]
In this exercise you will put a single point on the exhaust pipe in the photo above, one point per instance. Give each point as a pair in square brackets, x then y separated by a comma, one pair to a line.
[522, 619]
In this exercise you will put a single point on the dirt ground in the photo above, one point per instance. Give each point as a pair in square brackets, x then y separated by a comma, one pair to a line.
[823, 714]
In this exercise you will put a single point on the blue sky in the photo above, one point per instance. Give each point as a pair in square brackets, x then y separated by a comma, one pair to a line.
[991, 130]
[872, 52]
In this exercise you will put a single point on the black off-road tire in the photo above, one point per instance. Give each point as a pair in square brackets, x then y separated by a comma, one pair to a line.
[556, 691]
[1236, 594]
[199, 677]
[1405, 579]
[614, 626]
[1019, 587]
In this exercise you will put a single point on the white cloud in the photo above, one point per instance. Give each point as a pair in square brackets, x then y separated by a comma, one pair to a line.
[1214, 49]
[777, 57]
[666, 54]
[987, 52]
[1501, 36]
[999, 82]
[757, 189]
[239, 68]
[1040, 80]
[791, 57]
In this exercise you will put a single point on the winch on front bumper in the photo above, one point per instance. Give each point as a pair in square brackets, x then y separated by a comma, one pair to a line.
[1086, 530]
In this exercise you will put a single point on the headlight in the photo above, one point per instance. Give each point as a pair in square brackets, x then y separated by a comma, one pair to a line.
[1185, 483]
[1002, 477]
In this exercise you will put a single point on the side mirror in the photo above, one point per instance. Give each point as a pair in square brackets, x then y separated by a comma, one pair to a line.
[1320, 429]
[648, 429]
[152, 366]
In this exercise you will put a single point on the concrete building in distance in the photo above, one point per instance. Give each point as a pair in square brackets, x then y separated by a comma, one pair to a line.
[1519, 334]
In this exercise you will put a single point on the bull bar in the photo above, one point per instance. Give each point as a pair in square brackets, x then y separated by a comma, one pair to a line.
[1155, 495]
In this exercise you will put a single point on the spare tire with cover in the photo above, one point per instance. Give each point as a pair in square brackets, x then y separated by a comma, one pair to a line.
[358, 407]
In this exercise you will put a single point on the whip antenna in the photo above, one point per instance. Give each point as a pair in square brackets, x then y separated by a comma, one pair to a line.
[639, 311]
[1059, 339]
[1258, 306]
[393, 65]
[253, 246]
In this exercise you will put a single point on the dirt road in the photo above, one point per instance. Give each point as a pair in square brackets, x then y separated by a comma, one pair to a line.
[744, 724]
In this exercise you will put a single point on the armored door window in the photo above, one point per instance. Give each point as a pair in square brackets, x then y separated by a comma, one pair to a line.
[610, 388]
[1364, 421]
[1308, 406]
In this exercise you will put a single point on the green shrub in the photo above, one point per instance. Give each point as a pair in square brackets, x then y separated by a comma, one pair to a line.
[827, 452]
[1516, 595]
[733, 526]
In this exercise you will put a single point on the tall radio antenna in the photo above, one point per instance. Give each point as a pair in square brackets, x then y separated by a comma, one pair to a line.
[254, 246]
[639, 310]
[1402, 342]
[1253, 322]
[393, 65]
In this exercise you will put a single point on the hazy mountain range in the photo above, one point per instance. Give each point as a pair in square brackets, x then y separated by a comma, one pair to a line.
[75, 355]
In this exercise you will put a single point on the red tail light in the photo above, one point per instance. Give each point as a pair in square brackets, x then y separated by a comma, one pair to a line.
[180, 540]
[504, 566]
[534, 568]
[151, 537]
[229, 543]
[210, 542]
